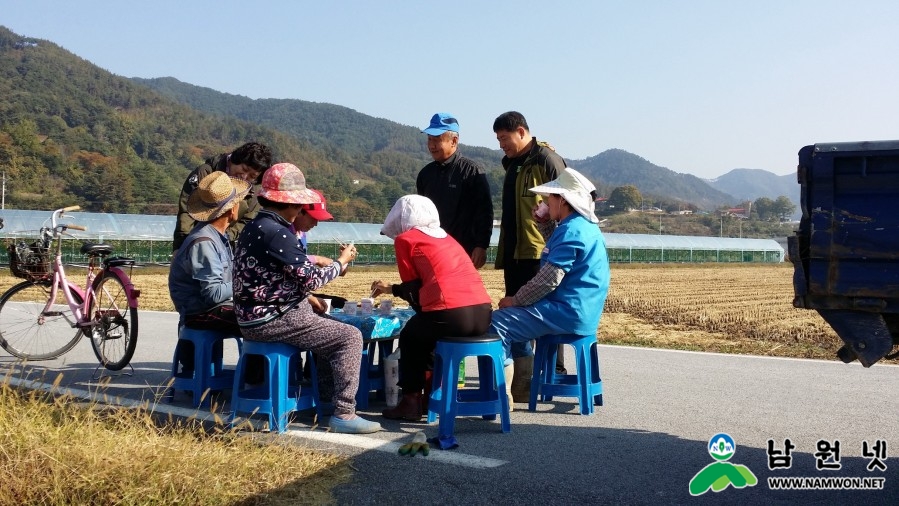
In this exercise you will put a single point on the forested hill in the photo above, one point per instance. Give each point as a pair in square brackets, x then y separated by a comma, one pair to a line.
[615, 167]
[379, 151]
[73, 133]
[368, 141]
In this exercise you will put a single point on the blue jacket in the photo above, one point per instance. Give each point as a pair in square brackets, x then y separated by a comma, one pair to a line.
[200, 275]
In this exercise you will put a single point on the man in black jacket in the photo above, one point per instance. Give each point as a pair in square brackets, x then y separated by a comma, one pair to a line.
[458, 187]
[247, 162]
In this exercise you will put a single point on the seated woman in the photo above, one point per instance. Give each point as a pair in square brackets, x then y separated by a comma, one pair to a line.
[272, 281]
[442, 286]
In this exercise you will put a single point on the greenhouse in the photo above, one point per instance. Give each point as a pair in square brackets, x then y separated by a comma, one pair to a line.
[148, 239]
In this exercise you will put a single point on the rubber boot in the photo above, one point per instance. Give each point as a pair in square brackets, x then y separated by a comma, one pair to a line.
[408, 409]
[521, 380]
[508, 372]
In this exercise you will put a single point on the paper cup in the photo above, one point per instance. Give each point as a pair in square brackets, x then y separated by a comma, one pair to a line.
[542, 211]
[350, 307]
[368, 305]
[327, 305]
[386, 306]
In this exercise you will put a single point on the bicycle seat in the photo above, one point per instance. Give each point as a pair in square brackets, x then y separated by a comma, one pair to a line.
[89, 248]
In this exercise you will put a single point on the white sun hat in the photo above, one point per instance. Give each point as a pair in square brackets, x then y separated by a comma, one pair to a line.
[575, 189]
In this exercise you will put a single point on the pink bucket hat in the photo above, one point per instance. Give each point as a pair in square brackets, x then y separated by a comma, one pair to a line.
[285, 183]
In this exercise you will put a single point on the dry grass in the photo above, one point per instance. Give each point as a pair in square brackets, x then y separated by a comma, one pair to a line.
[124, 457]
[743, 308]
[57, 451]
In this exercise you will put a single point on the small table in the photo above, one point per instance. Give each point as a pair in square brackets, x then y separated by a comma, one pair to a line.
[378, 332]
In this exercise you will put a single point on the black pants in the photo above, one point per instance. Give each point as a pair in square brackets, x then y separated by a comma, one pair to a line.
[419, 338]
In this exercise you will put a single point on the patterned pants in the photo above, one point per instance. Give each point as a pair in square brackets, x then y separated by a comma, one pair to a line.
[338, 344]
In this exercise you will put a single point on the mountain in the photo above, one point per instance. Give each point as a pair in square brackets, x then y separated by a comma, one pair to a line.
[615, 167]
[362, 137]
[354, 140]
[750, 184]
[73, 133]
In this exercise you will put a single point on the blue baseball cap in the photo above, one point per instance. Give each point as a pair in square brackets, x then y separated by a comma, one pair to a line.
[442, 122]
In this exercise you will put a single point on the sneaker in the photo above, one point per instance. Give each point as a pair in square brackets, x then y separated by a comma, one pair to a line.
[357, 425]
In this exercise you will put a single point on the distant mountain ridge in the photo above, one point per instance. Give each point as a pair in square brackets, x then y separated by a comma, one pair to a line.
[331, 126]
[750, 184]
[71, 132]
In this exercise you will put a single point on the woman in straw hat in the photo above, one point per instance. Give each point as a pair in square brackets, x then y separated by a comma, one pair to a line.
[569, 291]
[273, 279]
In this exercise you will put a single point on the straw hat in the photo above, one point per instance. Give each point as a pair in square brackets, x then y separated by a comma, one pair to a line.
[216, 194]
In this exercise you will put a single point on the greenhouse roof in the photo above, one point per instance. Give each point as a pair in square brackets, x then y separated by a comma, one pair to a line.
[106, 226]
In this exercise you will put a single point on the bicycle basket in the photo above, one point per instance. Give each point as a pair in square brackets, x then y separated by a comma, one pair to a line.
[29, 261]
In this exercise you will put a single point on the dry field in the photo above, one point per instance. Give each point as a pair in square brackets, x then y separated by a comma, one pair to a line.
[711, 307]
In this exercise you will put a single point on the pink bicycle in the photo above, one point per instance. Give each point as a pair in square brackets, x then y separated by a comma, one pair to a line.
[37, 315]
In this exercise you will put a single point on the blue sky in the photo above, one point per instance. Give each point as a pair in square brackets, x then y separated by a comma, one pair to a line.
[699, 87]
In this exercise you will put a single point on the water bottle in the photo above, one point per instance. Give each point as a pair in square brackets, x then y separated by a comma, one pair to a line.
[391, 377]
[461, 383]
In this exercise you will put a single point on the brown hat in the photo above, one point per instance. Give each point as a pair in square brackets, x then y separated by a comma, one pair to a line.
[216, 194]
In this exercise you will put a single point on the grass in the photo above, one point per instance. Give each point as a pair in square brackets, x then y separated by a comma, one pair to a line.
[127, 457]
[56, 450]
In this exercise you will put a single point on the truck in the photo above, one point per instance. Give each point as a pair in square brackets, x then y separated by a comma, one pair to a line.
[845, 252]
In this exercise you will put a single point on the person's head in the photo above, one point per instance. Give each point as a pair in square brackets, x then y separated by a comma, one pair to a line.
[250, 161]
[216, 198]
[443, 136]
[512, 132]
[284, 191]
[311, 214]
[413, 211]
[571, 192]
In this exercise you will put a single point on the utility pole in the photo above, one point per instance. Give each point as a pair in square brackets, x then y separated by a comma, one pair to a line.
[3, 200]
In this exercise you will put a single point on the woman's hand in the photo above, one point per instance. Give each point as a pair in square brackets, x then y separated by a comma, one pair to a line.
[506, 302]
[379, 287]
[347, 255]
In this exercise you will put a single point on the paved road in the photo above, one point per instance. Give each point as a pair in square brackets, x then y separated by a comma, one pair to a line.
[642, 447]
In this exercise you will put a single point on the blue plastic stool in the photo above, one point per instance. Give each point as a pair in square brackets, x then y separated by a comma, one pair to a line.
[448, 401]
[371, 375]
[208, 373]
[280, 393]
[586, 384]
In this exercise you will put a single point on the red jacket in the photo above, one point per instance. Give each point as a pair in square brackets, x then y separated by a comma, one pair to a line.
[449, 279]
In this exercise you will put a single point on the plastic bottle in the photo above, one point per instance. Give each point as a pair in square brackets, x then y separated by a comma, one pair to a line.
[391, 377]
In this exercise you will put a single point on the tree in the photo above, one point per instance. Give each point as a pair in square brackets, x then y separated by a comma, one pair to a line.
[624, 198]
[764, 207]
[784, 208]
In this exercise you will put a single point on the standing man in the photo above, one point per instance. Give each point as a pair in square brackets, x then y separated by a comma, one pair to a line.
[458, 187]
[248, 163]
[527, 163]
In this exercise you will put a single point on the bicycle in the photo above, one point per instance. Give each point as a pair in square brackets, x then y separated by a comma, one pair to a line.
[38, 314]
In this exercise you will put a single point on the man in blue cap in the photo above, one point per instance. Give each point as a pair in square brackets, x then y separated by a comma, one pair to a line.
[458, 187]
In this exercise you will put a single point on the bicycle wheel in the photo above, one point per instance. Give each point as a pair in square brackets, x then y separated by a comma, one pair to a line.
[114, 331]
[30, 333]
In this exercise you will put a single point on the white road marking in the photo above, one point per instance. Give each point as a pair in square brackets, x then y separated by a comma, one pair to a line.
[355, 441]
